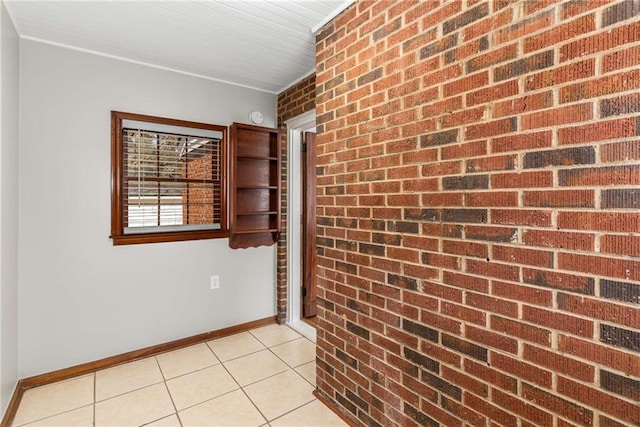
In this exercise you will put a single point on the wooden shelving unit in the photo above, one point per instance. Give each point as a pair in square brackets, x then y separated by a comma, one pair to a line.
[254, 186]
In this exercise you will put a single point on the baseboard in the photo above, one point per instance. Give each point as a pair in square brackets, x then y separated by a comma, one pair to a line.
[328, 404]
[90, 367]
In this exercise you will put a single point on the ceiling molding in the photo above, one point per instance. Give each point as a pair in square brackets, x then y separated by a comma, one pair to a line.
[337, 11]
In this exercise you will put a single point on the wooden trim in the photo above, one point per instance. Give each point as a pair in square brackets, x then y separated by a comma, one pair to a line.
[119, 183]
[328, 404]
[12, 408]
[91, 367]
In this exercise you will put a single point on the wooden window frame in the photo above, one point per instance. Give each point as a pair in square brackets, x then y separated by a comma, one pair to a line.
[117, 184]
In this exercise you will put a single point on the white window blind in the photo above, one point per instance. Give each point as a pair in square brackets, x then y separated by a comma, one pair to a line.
[172, 180]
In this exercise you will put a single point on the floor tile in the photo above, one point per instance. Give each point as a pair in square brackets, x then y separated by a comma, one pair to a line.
[280, 394]
[199, 386]
[170, 421]
[128, 377]
[228, 348]
[255, 367]
[275, 334]
[297, 352]
[54, 399]
[82, 417]
[135, 408]
[231, 409]
[308, 371]
[186, 360]
[313, 414]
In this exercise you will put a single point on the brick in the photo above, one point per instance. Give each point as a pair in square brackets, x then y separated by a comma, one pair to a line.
[439, 46]
[522, 179]
[420, 417]
[620, 385]
[492, 93]
[537, 416]
[522, 141]
[358, 330]
[627, 9]
[465, 347]
[524, 66]
[464, 281]
[491, 339]
[562, 74]
[607, 403]
[526, 26]
[463, 313]
[530, 218]
[559, 321]
[557, 280]
[599, 131]
[559, 198]
[627, 198]
[612, 175]
[490, 375]
[557, 404]
[559, 363]
[608, 422]
[604, 266]
[492, 128]
[442, 199]
[466, 84]
[441, 385]
[620, 291]
[620, 59]
[531, 102]
[601, 41]
[521, 369]
[621, 245]
[493, 412]
[491, 234]
[420, 330]
[605, 85]
[603, 221]
[465, 18]
[492, 199]
[520, 330]
[466, 182]
[439, 138]
[493, 269]
[603, 354]
[561, 157]
[620, 337]
[492, 58]
[467, 249]
[626, 104]
[522, 256]
[422, 360]
[560, 33]
[522, 293]
[494, 163]
[558, 116]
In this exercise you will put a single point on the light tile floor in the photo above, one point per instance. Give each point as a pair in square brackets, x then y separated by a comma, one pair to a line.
[263, 377]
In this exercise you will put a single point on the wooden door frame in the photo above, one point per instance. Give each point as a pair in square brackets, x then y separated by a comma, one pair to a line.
[295, 127]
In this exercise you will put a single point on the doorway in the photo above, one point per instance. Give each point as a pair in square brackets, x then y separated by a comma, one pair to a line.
[296, 128]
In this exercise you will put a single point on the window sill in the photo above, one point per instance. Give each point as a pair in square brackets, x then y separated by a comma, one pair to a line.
[171, 236]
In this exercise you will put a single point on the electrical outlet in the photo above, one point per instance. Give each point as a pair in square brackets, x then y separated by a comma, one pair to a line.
[215, 282]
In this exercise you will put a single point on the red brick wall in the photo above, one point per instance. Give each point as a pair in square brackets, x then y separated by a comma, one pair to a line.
[478, 200]
[199, 199]
[292, 102]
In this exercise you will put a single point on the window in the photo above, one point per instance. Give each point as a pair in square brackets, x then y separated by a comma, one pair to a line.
[168, 179]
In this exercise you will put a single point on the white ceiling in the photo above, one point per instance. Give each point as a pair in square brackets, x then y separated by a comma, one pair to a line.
[262, 44]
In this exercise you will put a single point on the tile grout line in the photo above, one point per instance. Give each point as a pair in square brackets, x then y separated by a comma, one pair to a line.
[166, 387]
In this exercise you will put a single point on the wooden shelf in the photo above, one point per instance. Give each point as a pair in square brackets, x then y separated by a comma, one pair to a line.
[254, 186]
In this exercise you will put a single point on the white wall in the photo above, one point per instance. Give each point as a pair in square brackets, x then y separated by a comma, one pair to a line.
[9, 80]
[81, 298]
